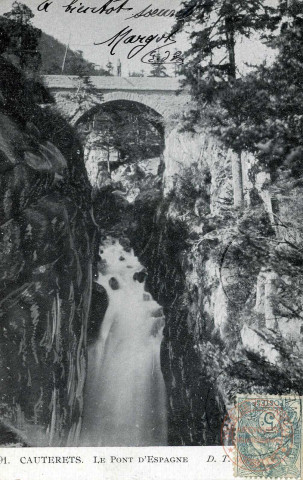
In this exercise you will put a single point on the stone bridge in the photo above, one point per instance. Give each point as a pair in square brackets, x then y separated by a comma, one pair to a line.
[157, 93]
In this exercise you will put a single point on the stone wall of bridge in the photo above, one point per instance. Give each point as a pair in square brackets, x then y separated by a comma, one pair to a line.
[167, 104]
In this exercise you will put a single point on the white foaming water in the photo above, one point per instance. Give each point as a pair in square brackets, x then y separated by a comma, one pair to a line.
[125, 400]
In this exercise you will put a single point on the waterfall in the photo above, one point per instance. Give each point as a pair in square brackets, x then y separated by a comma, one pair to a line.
[125, 401]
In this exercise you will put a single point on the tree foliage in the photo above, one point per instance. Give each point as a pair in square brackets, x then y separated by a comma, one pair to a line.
[262, 110]
[216, 26]
[30, 49]
[158, 68]
[19, 38]
[109, 68]
[134, 134]
[52, 55]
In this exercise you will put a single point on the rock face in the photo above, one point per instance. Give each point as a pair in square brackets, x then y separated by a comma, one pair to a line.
[139, 276]
[47, 246]
[191, 395]
[209, 267]
[113, 283]
[98, 308]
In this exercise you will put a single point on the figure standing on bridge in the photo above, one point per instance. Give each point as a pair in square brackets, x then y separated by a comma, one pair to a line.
[119, 68]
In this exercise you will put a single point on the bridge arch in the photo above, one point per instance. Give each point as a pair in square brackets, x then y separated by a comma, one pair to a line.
[160, 94]
[151, 101]
[132, 102]
[162, 106]
[120, 132]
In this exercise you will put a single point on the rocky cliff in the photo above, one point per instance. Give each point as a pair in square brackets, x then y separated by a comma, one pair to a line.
[221, 241]
[228, 280]
[48, 238]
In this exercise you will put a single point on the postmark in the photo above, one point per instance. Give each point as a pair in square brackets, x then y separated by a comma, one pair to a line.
[266, 433]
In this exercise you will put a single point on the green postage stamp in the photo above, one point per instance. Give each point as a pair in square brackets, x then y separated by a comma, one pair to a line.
[268, 436]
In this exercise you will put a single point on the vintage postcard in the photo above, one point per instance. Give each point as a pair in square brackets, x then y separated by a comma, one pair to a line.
[151, 239]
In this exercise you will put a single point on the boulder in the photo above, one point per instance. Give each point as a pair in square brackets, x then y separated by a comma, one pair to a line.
[140, 276]
[125, 242]
[158, 313]
[113, 283]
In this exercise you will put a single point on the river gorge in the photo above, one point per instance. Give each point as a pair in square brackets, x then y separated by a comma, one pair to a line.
[137, 300]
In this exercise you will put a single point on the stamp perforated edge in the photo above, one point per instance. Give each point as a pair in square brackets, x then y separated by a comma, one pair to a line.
[266, 396]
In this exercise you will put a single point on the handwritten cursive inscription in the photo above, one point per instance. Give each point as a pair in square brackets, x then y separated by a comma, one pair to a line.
[151, 12]
[76, 6]
[107, 8]
[140, 42]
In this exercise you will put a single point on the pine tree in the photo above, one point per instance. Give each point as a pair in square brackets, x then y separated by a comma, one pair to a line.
[216, 27]
[210, 67]
[263, 111]
[158, 69]
[109, 67]
[86, 91]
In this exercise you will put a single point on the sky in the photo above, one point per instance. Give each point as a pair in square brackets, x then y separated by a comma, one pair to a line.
[82, 30]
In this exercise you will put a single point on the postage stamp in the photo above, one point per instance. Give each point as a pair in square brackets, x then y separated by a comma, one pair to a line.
[266, 432]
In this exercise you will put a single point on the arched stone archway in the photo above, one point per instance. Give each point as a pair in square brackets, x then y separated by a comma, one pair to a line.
[159, 94]
[104, 125]
[133, 103]
[164, 105]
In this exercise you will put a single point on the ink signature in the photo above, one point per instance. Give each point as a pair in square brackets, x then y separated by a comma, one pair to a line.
[154, 57]
[141, 42]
